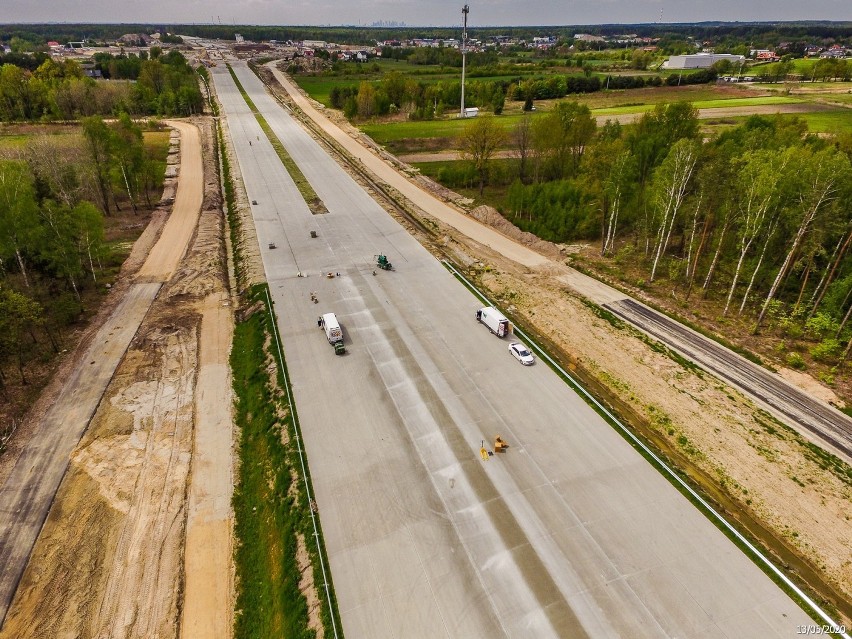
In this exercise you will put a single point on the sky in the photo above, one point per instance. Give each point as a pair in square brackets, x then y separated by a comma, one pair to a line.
[420, 12]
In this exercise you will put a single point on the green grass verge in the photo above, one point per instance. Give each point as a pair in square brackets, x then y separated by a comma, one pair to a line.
[305, 189]
[269, 602]
[234, 222]
[270, 503]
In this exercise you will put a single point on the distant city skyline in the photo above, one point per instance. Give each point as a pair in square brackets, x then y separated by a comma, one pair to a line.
[445, 13]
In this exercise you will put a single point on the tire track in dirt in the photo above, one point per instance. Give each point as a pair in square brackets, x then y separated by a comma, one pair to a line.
[109, 562]
[147, 565]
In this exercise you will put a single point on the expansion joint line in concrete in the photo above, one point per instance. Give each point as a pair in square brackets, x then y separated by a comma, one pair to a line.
[704, 506]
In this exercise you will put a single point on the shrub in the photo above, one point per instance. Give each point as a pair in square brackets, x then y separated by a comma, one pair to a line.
[794, 360]
[821, 325]
[827, 350]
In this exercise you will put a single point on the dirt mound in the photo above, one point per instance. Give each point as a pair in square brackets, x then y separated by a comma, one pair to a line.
[490, 216]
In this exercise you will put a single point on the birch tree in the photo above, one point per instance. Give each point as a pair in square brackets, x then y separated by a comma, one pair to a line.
[522, 138]
[758, 186]
[819, 177]
[19, 226]
[128, 156]
[671, 181]
[99, 145]
[616, 186]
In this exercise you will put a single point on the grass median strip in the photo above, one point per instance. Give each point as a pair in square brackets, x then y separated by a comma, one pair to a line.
[277, 553]
[315, 204]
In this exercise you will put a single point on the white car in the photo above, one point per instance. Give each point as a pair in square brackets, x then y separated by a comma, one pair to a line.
[521, 353]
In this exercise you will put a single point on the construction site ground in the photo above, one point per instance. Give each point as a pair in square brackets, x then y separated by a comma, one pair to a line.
[763, 474]
[138, 540]
[137, 543]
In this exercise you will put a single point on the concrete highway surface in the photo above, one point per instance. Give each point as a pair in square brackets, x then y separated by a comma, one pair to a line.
[813, 418]
[570, 533]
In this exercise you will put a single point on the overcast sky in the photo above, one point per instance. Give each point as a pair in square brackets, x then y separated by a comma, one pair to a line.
[419, 12]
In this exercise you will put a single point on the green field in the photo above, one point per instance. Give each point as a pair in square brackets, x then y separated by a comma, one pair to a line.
[13, 142]
[836, 122]
[384, 133]
[842, 98]
[319, 87]
[389, 133]
[804, 65]
[706, 104]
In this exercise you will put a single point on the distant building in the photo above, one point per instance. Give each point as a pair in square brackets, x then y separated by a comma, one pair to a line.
[314, 44]
[836, 51]
[764, 55]
[587, 37]
[700, 60]
[90, 70]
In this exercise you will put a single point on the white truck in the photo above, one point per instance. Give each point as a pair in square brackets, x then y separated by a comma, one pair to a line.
[494, 320]
[333, 333]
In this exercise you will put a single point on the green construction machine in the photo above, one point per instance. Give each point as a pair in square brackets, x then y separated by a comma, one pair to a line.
[382, 263]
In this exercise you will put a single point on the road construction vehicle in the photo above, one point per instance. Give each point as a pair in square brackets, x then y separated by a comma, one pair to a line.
[382, 263]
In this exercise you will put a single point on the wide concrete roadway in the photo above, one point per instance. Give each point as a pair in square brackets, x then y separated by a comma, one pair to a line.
[816, 420]
[568, 534]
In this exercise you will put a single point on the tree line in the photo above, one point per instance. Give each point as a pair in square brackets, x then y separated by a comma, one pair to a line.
[162, 85]
[53, 251]
[397, 92]
[758, 217]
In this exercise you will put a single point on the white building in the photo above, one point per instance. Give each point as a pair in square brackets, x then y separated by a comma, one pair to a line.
[700, 60]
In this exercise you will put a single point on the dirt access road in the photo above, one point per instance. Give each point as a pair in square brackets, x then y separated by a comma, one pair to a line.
[137, 542]
[767, 474]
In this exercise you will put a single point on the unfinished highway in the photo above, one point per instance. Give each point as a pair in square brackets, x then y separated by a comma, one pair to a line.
[570, 533]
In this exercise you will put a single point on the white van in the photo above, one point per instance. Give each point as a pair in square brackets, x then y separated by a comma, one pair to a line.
[494, 320]
[333, 333]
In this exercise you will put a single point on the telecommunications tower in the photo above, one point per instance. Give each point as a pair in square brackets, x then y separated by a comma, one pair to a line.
[465, 11]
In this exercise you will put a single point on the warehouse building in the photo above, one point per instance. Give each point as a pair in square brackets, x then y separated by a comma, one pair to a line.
[700, 60]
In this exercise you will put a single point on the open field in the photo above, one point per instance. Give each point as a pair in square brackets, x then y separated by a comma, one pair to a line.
[705, 104]
[837, 122]
[832, 122]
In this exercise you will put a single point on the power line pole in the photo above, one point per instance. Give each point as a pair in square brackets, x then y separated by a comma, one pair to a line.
[465, 11]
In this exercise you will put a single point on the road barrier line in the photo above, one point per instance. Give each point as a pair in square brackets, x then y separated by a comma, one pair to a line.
[661, 464]
[296, 430]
